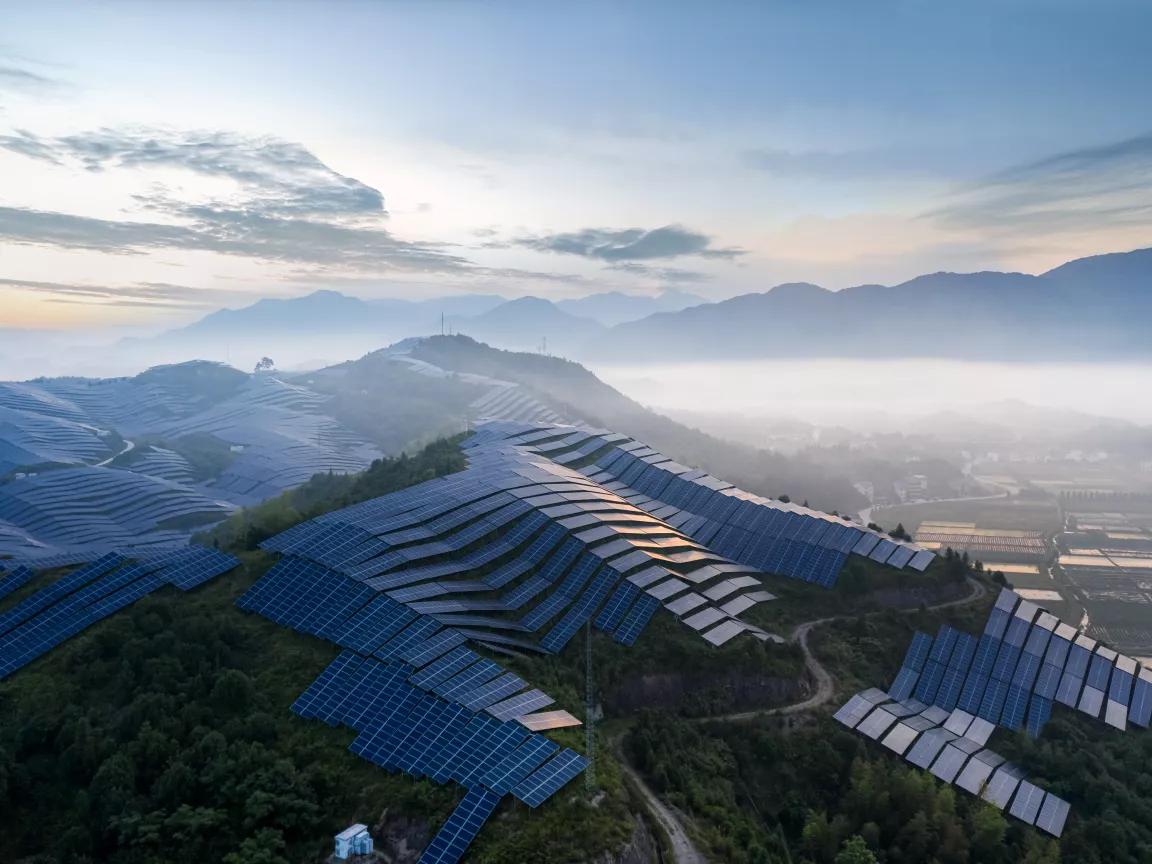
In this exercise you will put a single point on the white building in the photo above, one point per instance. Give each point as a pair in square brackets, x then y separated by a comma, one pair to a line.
[353, 840]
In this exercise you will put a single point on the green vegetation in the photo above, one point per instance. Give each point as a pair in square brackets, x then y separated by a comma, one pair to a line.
[326, 492]
[746, 786]
[807, 790]
[164, 734]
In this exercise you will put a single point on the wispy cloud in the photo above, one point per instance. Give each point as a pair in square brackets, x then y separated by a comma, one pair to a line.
[143, 294]
[662, 274]
[276, 177]
[17, 78]
[1090, 188]
[629, 244]
[231, 232]
[290, 206]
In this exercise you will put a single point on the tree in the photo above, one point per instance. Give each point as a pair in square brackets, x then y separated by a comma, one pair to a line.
[266, 364]
[855, 851]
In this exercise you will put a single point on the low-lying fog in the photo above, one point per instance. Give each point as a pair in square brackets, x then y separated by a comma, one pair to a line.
[861, 393]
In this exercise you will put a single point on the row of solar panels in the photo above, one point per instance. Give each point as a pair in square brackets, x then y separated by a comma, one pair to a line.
[102, 508]
[496, 524]
[1025, 661]
[952, 691]
[76, 600]
[421, 700]
[29, 439]
[769, 535]
[314, 599]
[406, 728]
[514, 403]
[951, 747]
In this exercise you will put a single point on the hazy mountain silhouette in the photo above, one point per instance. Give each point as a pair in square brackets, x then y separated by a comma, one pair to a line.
[531, 324]
[616, 307]
[1089, 308]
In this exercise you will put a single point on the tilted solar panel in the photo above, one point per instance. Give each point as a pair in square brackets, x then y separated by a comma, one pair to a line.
[454, 837]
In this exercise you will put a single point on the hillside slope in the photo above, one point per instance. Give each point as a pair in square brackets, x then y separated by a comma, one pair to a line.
[575, 392]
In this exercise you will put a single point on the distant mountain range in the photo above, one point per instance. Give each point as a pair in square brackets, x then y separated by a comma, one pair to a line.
[1091, 308]
[327, 326]
[615, 307]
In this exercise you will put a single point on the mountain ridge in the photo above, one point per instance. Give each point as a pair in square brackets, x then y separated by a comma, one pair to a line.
[1104, 304]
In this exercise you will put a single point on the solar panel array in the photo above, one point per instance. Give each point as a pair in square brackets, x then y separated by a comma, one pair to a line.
[501, 400]
[30, 438]
[96, 510]
[15, 579]
[517, 551]
[772, 536]
[278, 432]
[529, 551]
[79, 599]
[165, 464]
[422, 701]
[1011, 676]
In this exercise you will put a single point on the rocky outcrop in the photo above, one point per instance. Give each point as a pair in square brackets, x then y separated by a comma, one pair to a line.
[400, 839]
[911, 596]
[703, 694]
[641, 848]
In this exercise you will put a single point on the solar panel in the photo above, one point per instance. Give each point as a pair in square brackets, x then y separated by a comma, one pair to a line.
[545, 720]
[517, 706]
[517, 765]
[974, 776]
[547, 780]
[454, 837]
[1053, 814]
[953, 758]
[1026, 802]
[1003, 784]
[444, 667]
[492, 692]
[15, 580]
[468, 679]
[905, 733]
[636, 620]
[928, 747]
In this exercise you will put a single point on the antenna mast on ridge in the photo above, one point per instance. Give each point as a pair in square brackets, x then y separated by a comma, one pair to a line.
[589, 713]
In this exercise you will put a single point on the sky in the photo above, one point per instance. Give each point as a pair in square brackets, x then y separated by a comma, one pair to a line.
[160, 160]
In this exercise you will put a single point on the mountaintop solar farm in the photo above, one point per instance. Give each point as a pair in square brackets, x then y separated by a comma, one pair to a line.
[478, 617]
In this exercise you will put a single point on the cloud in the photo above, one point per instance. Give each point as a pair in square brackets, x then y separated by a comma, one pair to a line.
[26, 144]
[1086, 189]
[630, 244]
[16, 78]
[663, 274]
[276, 177]
[231, 232]
[144, 294]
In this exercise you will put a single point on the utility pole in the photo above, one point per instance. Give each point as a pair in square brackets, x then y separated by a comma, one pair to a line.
[589, 713]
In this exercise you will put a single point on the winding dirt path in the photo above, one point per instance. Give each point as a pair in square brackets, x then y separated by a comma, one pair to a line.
[683, 850]
[825, 683]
